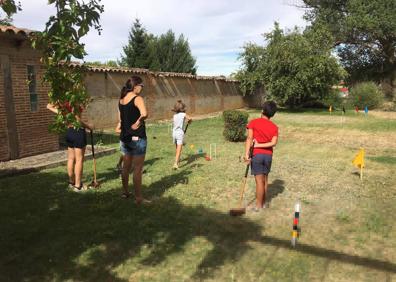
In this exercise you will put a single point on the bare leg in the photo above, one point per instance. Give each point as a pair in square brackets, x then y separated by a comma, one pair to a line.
[70, 164]
[138, 162]
[265, 178]
[120, 161]
[259, 190]
[125, 172]
[78, 168]
[178, 153]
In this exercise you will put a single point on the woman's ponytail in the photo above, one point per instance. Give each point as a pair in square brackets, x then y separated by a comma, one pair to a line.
[127, 88]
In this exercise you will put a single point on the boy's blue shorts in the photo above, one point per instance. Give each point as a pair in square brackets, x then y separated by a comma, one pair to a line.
[261, 164]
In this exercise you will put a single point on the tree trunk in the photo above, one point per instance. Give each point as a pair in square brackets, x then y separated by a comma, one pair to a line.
[389, 80]
[388, 84]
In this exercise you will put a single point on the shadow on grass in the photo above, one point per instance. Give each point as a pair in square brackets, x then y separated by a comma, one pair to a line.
[107, 175]
[275, 188]
[192, 158]
[384, 159]
[49, 233]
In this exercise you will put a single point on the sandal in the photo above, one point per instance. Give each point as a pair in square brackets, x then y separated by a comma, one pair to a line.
[71, 184]
[255, 209]
[142, 201]
[125, 195]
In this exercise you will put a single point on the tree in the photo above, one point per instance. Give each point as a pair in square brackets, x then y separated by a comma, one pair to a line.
[251, 74]
[6, 20]
[294, 67]
[10, 8]
[137, 51]
[365, 33]
[175, 55]
[110, 63]
[163, 53]
[59, 44]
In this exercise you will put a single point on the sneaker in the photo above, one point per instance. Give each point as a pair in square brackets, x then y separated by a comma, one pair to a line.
[125, 195]
[175, 166]
[79, 189]
[266, 205]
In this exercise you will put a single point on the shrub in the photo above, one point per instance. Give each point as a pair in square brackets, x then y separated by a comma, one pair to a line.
[334, 99]
[235, 125]
[389, 107]
[365, 94]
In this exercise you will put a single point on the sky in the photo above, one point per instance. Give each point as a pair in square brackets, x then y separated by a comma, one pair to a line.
[216, 30]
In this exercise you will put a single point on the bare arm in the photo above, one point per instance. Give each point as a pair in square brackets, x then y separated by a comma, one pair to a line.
[248, 144]
[52, 108]
[118, 127]
[85, 124]
[273, 143]
[139, 103]
[188, 118]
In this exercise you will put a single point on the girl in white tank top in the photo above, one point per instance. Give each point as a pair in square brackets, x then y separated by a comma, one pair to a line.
[179, 118]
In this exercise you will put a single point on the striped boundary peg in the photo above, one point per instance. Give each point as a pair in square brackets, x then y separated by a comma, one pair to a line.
[296, 220]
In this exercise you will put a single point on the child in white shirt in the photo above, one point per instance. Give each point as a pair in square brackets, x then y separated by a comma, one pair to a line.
[179, 118]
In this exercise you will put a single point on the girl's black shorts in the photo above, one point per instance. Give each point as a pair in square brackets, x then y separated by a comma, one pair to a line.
[76, 138]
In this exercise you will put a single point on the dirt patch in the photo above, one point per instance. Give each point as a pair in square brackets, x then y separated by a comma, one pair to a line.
[345, 137]
[384, 115]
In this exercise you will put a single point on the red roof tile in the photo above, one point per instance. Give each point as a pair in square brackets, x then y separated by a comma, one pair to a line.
[15, 30]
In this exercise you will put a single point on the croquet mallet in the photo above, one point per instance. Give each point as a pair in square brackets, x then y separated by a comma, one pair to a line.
[94, 184]
[242, 210]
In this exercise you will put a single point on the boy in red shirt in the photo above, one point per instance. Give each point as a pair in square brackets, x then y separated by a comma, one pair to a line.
[264, 133]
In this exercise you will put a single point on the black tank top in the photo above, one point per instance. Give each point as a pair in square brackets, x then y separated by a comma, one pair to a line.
[129, 115]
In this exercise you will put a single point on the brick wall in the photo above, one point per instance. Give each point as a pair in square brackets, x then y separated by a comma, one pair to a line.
[4, 154]
[31, 127]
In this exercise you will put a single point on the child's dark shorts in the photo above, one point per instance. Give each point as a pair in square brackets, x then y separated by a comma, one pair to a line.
[76, 138]
[261, 164]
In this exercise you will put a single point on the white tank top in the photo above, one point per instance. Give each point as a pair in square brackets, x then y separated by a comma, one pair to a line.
[178, 121]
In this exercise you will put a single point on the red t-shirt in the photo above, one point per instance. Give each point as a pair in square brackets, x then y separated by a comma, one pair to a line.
[69, 107]
[263, 131]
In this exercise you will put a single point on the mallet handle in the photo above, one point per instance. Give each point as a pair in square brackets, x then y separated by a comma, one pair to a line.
[92, 144]
[246, 174]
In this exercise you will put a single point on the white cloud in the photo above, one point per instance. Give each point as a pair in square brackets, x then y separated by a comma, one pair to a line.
[216, 30]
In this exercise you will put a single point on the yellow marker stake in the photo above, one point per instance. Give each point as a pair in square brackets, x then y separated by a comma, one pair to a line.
[358, 161]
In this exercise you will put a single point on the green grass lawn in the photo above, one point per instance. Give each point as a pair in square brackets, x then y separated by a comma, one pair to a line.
[49, 233]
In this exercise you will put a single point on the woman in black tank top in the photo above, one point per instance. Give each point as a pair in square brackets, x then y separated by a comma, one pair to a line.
[133, 139]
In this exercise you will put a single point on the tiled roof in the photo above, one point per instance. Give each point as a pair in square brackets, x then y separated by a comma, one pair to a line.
[110, 69]
[15, 30]
[104, 69]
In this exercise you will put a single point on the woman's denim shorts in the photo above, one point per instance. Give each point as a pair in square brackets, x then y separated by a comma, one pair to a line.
[134, 148]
